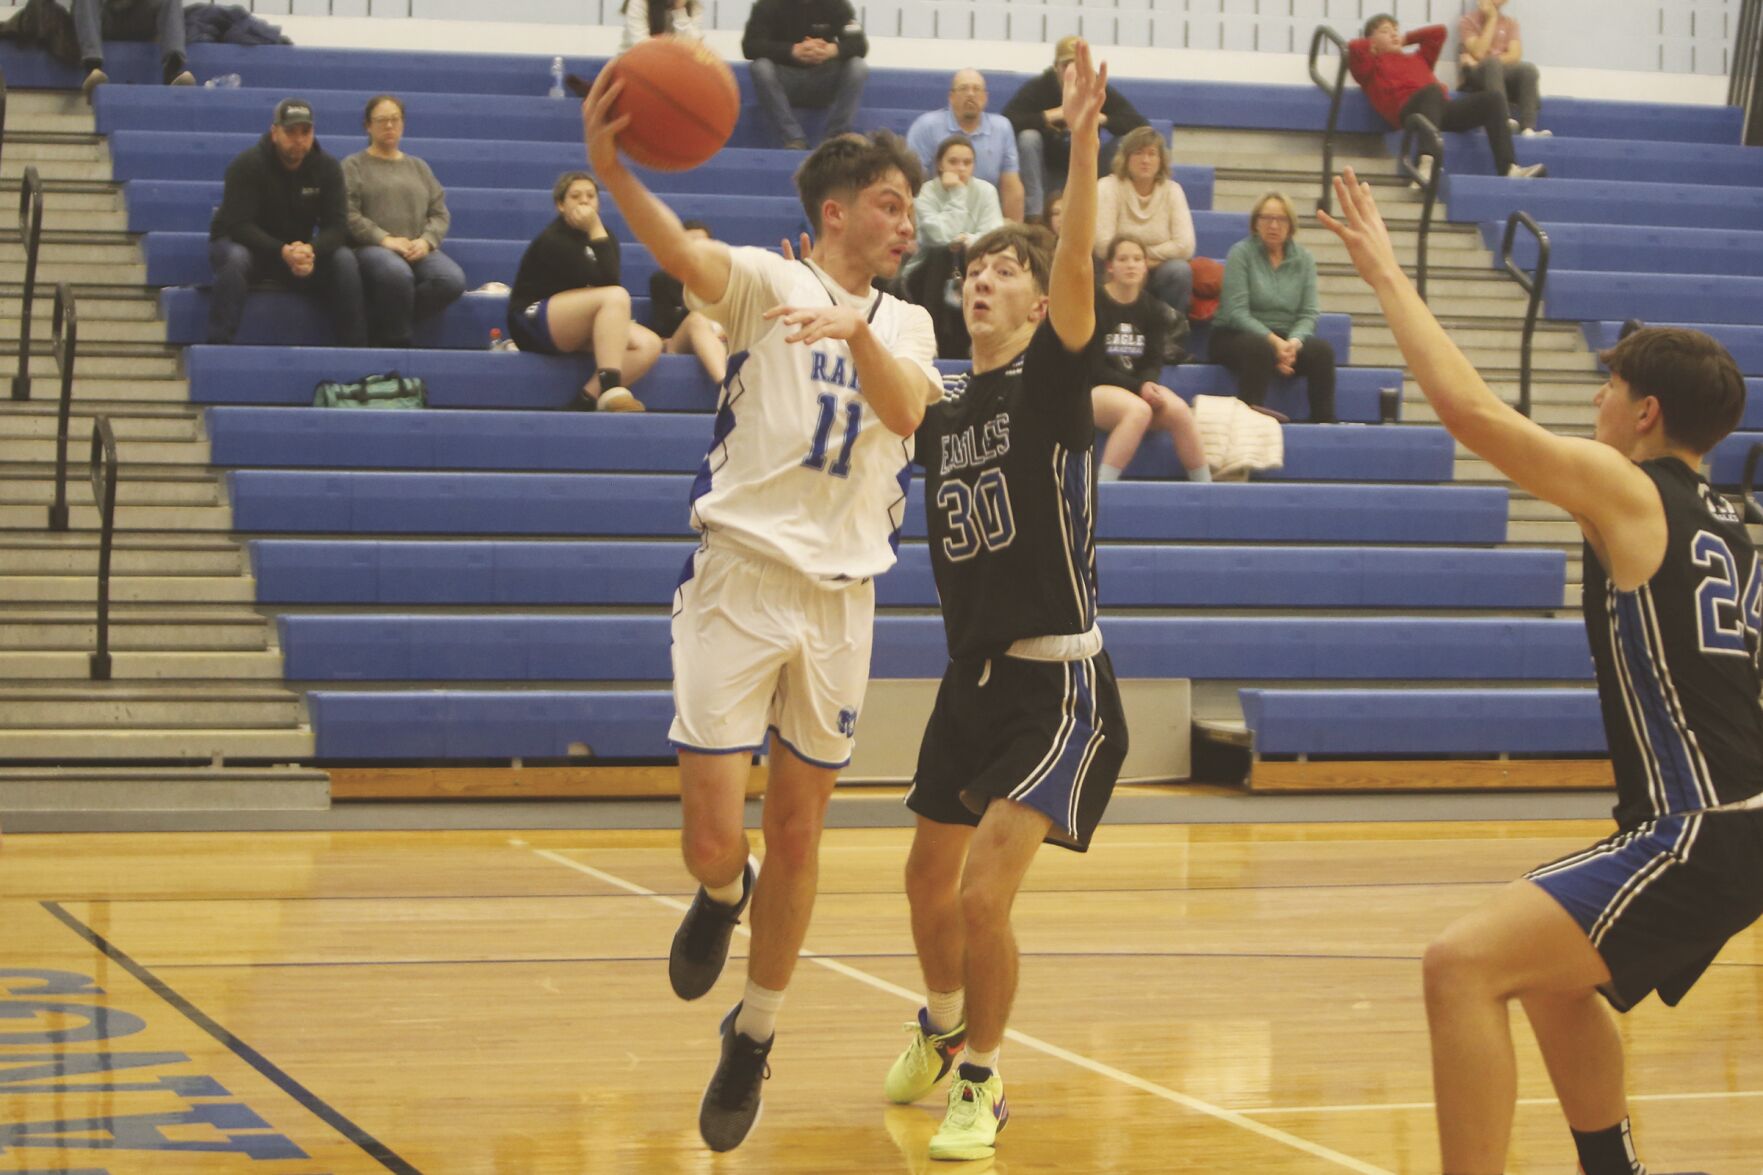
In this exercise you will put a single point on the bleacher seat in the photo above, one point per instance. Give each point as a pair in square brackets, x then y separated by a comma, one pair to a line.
[654, 505]
[1744, 342]
[1476, 198]
[496, 725]
[511, 573]
[1424, 722]
[1726, 464]
[1625, 161]
[1635, 249]
[1583, 295]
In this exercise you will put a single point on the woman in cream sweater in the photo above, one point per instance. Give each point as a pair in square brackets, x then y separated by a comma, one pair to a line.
[1140, 202]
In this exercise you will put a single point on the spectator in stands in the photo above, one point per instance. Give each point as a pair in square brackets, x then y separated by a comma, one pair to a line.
[567, 300]
[806, 53]
[397, 221]
[953, 207]
[687, 332]
[1140, 201]
[283, 217]
[97, 21]
[1399, 83]
[1491, 57]
[1043, 143]
[1127, 363]
[1266, 321]
[643, 20]
[992, 137]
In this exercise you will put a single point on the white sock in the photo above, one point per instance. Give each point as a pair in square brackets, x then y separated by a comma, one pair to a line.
[945, 1008]
[1200, 473]
[1109, 473]
[758, 1017]
[986, 1060]
[730, 894]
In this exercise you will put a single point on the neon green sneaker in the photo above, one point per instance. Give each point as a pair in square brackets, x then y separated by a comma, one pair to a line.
[976, 1113]
[917, 1070]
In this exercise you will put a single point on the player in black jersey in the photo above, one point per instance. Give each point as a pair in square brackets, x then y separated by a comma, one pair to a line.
[1027, 735]
[1673, 610]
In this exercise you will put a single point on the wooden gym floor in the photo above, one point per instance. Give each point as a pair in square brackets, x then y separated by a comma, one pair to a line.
[1220, 999]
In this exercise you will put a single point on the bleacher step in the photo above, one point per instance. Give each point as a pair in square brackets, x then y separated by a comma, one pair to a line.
[95, 196]
[79, 556]
[173, 665]
[135, 487]
[112, 331]
[71, 626]
[76, 271]
[85, 517]
[1486, 358]
[1543, 533]
[53, 799]
[106, 705]
[32, 421]
[82, 170]
[201, 746]
[104, 394]
[129, 589]
[44, 150]
[157, 453]
[130, 362]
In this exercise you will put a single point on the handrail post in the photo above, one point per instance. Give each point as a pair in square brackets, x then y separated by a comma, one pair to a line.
[104, 471]
[1748, 504]
[1334, 91]
[1532, 284]
[66, 342]
[1422, 139]
[30, 232]
[2, 108]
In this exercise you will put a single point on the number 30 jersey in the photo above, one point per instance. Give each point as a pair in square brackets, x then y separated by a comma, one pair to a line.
[800, 469]
[1677, 659]
[1010, 496]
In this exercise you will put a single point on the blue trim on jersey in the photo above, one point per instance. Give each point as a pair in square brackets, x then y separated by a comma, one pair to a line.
[811, 761]
[1081, 532]
[1597, 885]
[899, 504]
[1663, 739]
[679, 746]
[1055, 787]
[725, 424]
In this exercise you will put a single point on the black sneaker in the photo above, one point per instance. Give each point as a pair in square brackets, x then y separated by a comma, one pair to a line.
[700, 945]
[731, 1101]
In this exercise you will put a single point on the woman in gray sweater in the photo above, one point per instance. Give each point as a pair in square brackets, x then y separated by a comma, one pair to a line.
[397, 221]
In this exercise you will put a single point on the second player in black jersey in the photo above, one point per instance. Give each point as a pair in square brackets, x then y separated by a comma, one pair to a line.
[1673, 608]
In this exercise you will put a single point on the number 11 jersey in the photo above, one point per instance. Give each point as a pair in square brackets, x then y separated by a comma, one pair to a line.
[1010, 494]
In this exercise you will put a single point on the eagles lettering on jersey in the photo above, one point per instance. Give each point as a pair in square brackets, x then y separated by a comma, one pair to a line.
[1677, 659]
[1125, 341]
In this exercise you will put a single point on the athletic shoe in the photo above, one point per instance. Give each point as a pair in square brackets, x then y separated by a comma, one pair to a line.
[732, 1099]
[93, 80]
[1530, 132]
[619, 400]
[917, 1070]
[976, 1113]
[700, 946]
[1534, 171]
[184, 78]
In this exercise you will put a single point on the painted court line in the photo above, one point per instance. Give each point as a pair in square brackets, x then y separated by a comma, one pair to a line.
[1186, 1101]
[1385, 1107]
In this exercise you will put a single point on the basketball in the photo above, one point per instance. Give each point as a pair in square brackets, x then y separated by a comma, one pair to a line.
[682, 102]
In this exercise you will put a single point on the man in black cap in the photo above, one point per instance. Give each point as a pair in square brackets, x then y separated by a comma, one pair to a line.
[282, 217]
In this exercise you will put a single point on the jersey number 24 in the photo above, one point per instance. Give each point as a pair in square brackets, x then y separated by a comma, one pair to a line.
[1725, 614]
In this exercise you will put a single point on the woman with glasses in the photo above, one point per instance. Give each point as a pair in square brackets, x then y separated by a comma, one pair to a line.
[397, 221]
[1266, 322]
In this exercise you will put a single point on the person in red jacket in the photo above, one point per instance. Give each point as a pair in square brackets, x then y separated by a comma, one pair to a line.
[1399, 83]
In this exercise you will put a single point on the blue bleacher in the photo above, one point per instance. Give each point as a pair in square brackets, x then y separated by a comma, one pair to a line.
[1585, 295]
[1416, 722]
[454, 725]
[630, 648]
[1722, 164]
[626, 443]
[1479, 198]
[512, 573]
[654, 505]
[1744, 342]
[1726, 464]
[1628, 248]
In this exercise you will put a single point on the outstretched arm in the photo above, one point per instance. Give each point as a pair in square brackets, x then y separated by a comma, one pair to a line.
[701, 266]
[1072, 287]
[1589, 479]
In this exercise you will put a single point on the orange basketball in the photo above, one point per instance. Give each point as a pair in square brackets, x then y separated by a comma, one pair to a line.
[682, 101]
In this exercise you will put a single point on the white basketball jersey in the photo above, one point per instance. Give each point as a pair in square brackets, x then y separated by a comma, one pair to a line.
[800, 469]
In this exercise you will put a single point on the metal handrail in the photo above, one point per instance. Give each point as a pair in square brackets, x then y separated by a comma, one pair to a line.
[104, 471]
[1533, 285]
[2, 109]
[1334, 92]
[1744, 82]
[1421, 138]
[66, 342]
[1748, 503]
[30, 232]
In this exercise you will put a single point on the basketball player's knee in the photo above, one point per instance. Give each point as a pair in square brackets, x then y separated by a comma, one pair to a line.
[985, 905]
[1452, 968]
[708, 850]
[793, 841]
[931, 882]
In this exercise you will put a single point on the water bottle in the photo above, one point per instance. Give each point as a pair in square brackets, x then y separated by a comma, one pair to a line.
[557, 77]
[226, 81]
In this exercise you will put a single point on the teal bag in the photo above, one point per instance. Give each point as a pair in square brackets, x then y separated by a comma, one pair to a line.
[386, 390]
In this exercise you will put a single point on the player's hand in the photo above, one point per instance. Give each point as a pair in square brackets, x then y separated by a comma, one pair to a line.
[599, 128]
[1362, 230]
[790, 254]
[1086, 88]
[820, 322]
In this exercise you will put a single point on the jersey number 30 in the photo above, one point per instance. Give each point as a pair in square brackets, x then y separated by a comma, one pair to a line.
[1724, 614]
[979, 517]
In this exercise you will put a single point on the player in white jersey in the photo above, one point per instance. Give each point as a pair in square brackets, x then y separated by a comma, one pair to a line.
[799, 502]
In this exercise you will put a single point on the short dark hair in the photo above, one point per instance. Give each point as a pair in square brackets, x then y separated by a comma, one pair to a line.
[367, 115]
[1380, 18]
[1700, 391]
[1030, 244]
[846, 164]
[955, 140]
[560, 189]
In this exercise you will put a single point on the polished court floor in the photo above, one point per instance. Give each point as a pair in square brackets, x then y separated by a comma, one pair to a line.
[1221, 999]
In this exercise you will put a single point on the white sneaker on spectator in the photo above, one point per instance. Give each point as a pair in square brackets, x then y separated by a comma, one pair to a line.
[1513, 124]
[93, 80]
[1530, 132]
[1534, 171]
[618, 400]
[185, 78]
[1427, 164]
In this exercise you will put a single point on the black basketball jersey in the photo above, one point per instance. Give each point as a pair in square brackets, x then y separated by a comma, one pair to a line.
[1677, 659]
[1011, 498]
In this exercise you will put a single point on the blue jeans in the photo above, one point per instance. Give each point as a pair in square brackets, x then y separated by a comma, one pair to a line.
[398, 293]
[837, 85]
[148, 20]
[1173, 281]
[334, 280]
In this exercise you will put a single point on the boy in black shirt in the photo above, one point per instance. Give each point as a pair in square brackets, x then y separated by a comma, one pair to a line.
[687, 332]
